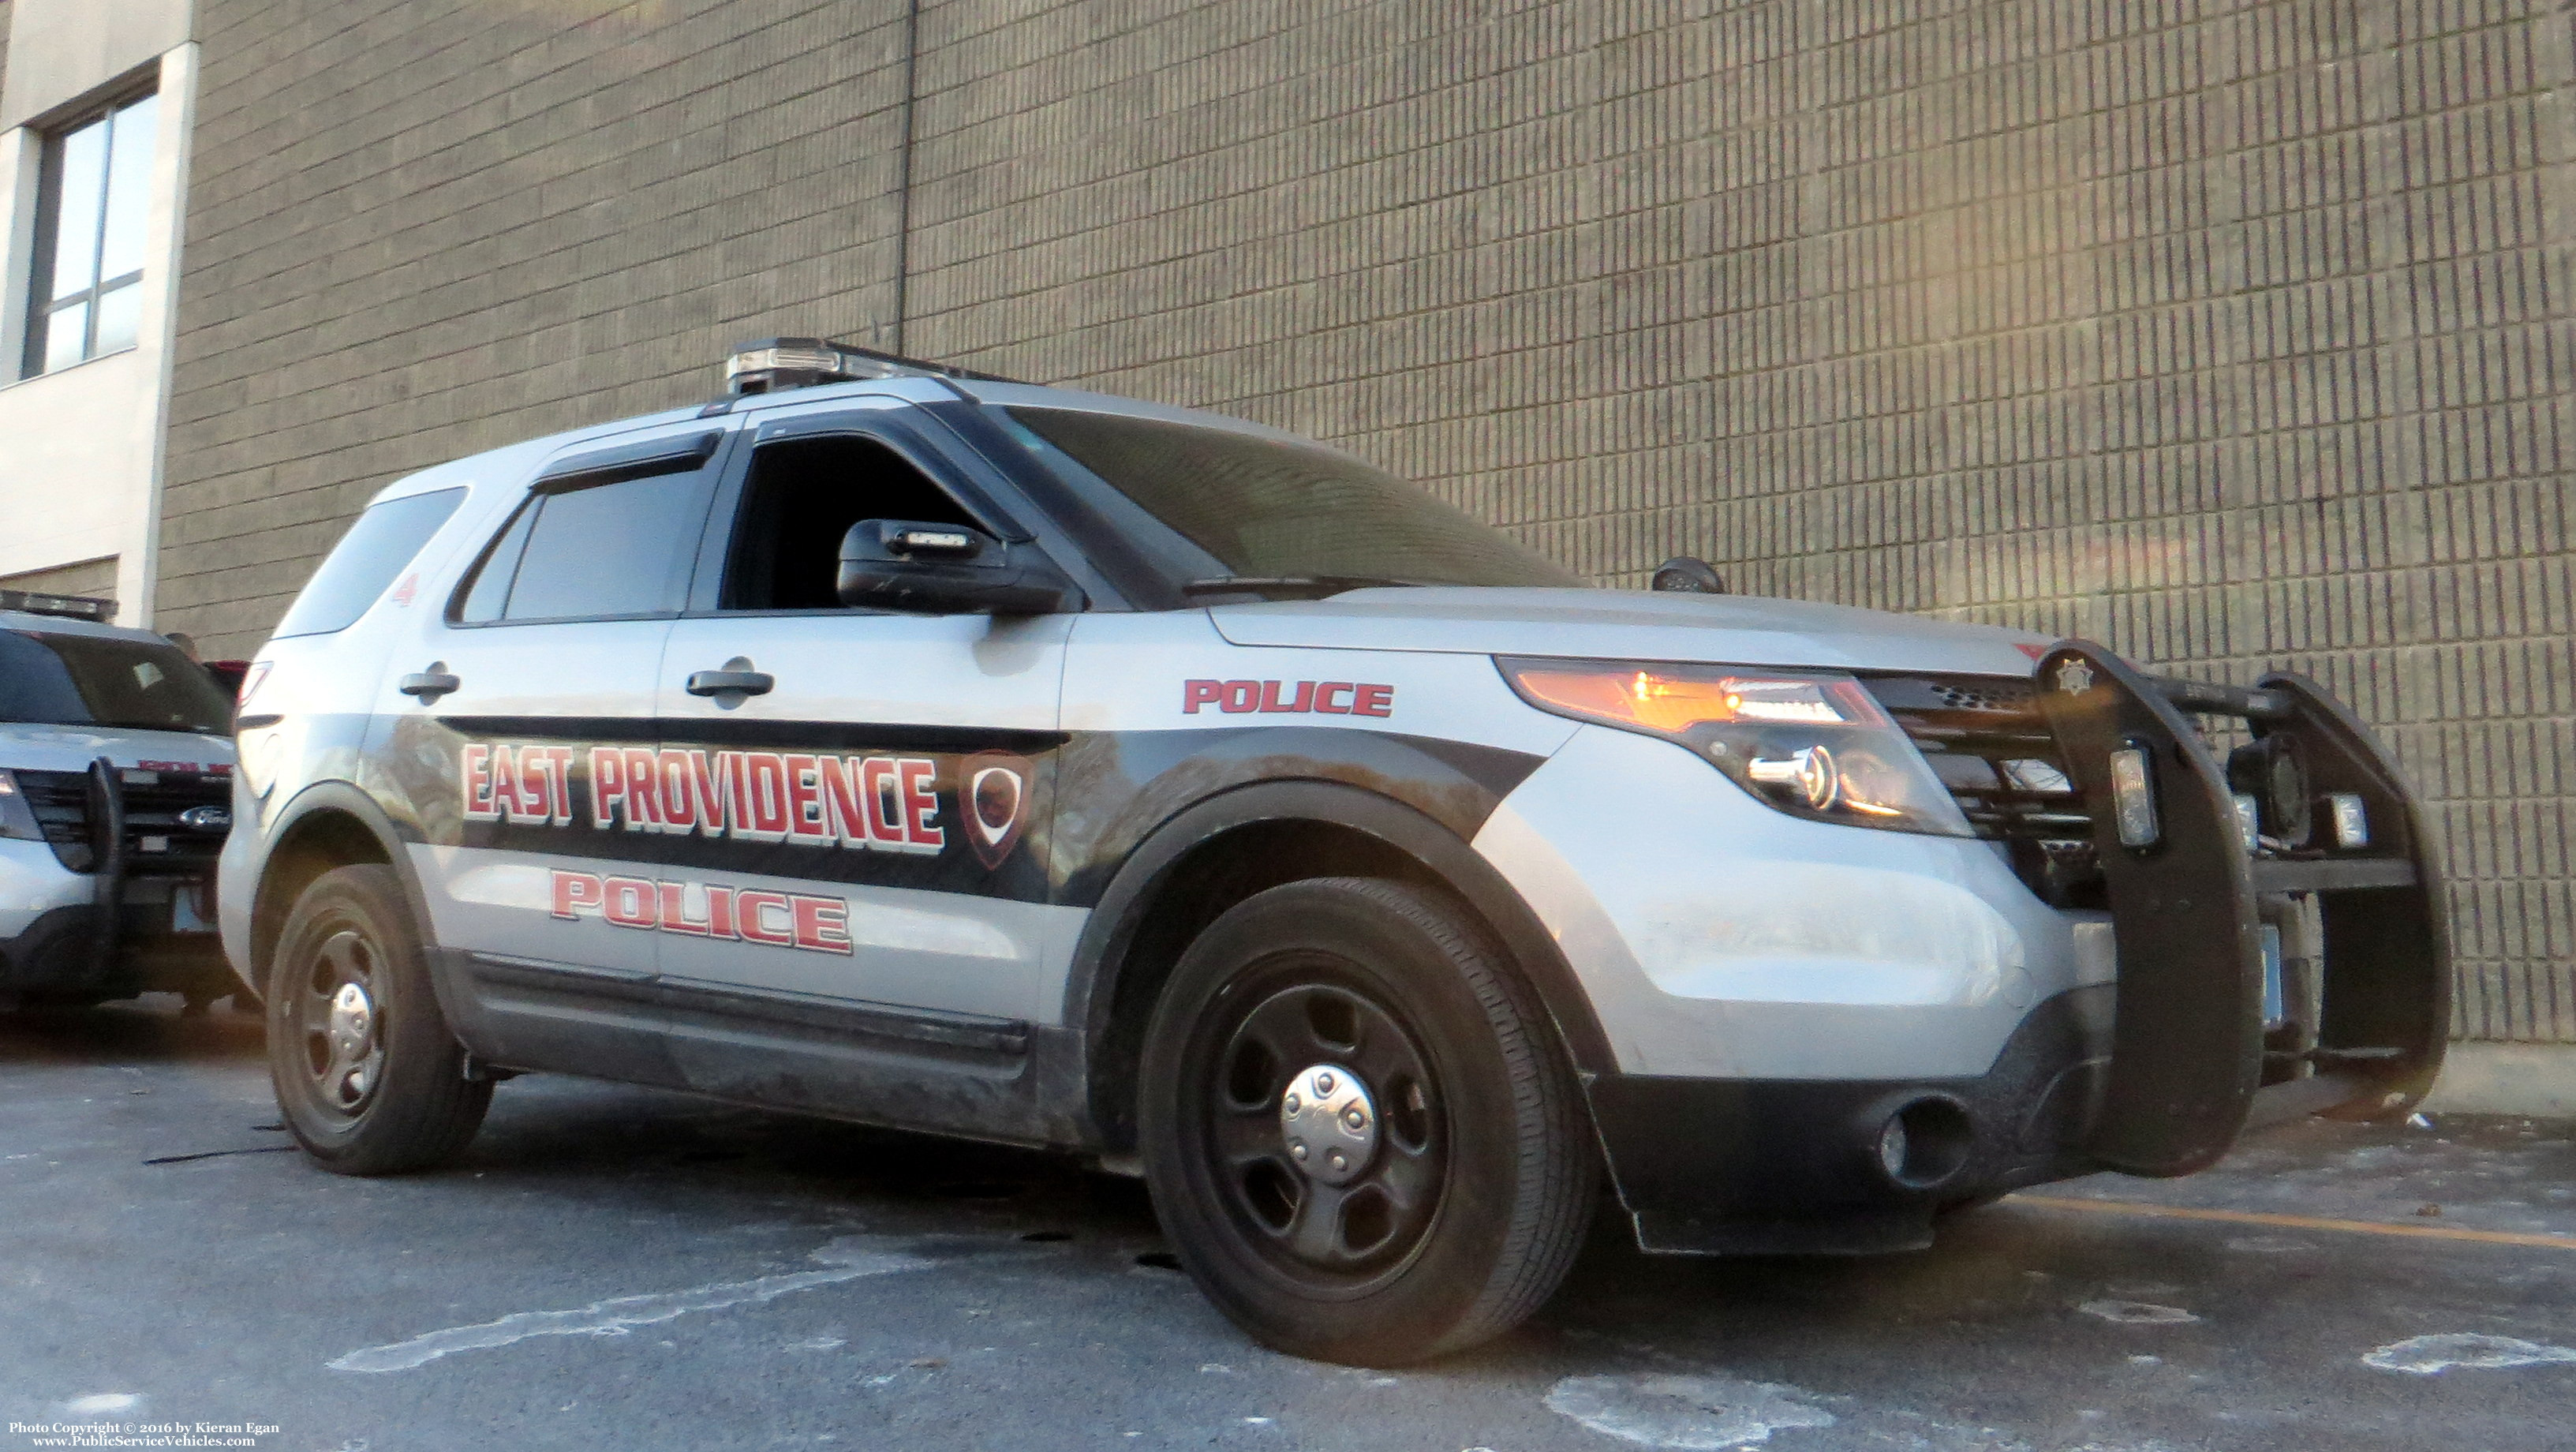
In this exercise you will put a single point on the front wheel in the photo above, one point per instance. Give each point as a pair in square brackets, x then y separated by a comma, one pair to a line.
[1358, 1127]
[369, 1078]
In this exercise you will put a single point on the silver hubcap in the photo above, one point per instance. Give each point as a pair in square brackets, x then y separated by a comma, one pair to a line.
[353, 1023]
[344, 1045]
[1328, 1123]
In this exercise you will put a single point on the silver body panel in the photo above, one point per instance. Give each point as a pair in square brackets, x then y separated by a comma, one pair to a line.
[1717, 937]
[1130, 673]
[1626, 625]
[33, 882]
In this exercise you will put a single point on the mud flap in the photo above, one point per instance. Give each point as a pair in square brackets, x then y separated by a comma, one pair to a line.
[2191, 1066]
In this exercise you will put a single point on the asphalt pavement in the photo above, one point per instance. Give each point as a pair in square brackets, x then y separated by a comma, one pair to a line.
[626, 1268]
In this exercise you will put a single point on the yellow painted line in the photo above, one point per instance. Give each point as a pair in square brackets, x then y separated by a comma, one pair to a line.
[2295, 1222]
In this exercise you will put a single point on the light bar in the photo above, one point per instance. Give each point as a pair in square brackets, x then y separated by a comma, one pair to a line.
[770, 364]
[73, 607]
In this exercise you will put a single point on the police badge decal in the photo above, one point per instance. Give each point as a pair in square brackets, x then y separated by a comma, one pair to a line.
[993, 795]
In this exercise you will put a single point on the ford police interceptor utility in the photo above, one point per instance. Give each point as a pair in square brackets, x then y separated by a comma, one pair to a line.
[115, 794]
[916, 747]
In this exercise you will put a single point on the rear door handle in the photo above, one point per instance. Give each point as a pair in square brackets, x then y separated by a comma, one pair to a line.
[431, 683]
[737, 677]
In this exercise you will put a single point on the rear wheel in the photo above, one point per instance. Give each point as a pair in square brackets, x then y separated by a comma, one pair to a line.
[1358, 1127]
[369, 1077]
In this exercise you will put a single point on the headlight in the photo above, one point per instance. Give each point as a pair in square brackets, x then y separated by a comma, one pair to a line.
[17, 818]
[1811, 743]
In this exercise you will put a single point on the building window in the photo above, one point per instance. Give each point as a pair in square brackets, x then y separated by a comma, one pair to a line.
[95, 190]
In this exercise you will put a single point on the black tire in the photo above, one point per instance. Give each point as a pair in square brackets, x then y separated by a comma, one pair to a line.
[1464, 1209]
[375, 1085]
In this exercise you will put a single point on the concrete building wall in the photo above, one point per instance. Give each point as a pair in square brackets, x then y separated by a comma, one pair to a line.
[60, 50]
[2232, 334]
[81, 449]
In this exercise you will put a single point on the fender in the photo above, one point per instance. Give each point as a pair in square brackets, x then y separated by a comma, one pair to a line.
[1156, 776]
[348, 799]
[1091, 988]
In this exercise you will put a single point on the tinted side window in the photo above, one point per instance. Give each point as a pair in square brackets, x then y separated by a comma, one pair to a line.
[620, 548]
[366, 560]
[491, 588]
[803, 495]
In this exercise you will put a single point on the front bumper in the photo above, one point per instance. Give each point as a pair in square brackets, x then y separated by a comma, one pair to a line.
[1798, 1166]
[1776, 991]
[52, 921]
[54, 956]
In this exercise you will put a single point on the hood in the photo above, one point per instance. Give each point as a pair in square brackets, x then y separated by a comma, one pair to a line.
[73, 748]
[1631, 625]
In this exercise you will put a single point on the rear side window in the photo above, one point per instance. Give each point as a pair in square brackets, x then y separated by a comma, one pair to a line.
[584, 550]
[375, 549]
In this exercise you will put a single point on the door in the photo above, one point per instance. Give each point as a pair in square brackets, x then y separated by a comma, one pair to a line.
[862, 796]
[532, 693]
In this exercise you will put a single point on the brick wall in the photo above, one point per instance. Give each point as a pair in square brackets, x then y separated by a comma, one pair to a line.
[2230, 334]
[416, 232]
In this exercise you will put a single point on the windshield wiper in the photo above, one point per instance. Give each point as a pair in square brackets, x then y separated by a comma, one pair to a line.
[1289, 587]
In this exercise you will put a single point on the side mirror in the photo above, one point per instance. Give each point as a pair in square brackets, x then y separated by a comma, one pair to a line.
[1689, 576]
[948, 569]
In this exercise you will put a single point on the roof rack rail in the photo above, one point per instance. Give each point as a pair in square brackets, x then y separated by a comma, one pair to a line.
[75, 607]
[767, 365]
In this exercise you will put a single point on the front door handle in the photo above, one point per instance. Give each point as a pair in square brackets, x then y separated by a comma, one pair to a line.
[736, 677]
[430, 684]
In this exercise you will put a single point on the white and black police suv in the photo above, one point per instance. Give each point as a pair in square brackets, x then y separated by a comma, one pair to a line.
[915, 747]
[116, 761]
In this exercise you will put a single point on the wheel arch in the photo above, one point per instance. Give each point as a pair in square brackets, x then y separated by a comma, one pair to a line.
[328, 825]
[1224, 849]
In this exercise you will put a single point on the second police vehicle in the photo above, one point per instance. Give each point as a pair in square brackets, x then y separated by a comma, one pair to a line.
[914, 747]
[115, 793]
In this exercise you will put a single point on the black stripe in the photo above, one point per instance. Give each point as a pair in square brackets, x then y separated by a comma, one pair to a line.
[632, 461]
[843, 736]
[1093, 798]
[934, 1028]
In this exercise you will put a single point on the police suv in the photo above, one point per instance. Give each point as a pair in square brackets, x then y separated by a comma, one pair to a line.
[910, 746]
[115, 794]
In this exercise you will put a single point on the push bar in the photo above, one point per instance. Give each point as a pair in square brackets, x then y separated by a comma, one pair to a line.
[2189, 1063]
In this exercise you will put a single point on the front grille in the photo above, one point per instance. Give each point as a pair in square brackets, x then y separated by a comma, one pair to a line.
[1985, 739]
[156, 844]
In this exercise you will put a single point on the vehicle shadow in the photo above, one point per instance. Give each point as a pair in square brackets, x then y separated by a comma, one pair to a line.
[151, 1029]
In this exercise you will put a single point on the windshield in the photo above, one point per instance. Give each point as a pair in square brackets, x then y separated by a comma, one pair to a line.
[1269, 508]
[102, 680]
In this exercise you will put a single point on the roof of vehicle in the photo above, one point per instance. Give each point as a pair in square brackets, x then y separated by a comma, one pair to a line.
[512, 463]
